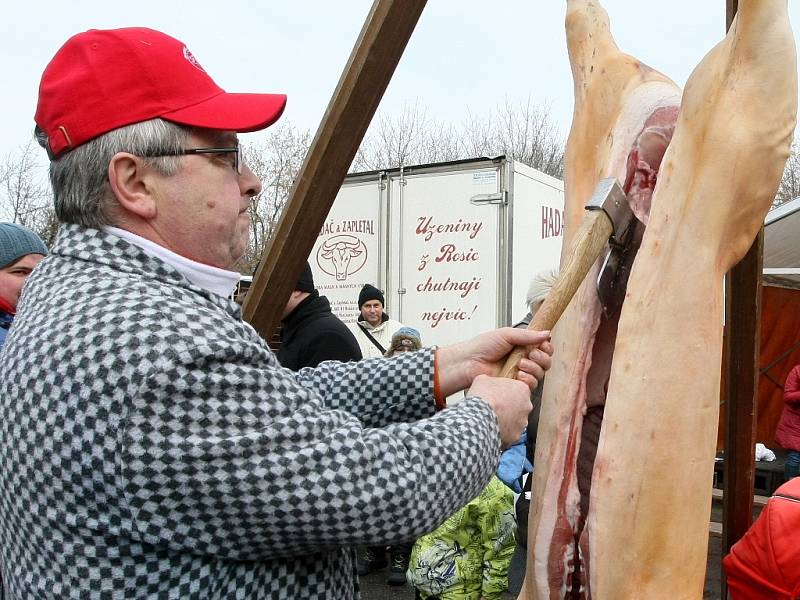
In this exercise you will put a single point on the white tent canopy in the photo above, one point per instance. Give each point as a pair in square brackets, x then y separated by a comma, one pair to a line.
[782, 245]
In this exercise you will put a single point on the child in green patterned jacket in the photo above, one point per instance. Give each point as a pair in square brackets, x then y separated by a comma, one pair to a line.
[468, 556]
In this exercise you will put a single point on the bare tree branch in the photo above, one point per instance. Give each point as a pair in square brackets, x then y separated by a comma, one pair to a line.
[25, 195]
[523, 132]
[789, 188]
[276, 162]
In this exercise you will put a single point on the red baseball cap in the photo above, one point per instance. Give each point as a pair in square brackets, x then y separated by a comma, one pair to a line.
[101, 80]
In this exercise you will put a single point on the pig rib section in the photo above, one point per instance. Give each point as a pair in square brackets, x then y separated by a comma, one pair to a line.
[651, 491]
[615, 96]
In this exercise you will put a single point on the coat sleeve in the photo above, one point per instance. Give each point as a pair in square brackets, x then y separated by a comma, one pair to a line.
[377, 391]
[235, 460]
[791, 389]
[497, 526]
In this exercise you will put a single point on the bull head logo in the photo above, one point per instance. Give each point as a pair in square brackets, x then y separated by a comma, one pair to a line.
[342, 255]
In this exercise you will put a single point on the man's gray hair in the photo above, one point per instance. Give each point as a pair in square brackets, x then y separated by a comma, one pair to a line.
[81, 191]
[540, 286]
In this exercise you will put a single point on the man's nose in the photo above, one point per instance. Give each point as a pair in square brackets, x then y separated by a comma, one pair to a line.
[249, 184]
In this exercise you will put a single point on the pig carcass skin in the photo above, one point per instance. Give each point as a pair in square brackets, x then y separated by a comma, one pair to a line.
[627, 432]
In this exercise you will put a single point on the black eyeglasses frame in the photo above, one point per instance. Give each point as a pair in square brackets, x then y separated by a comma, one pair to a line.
[238, 162]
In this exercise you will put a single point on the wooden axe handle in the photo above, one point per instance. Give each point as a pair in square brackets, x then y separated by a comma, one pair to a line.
[586, 246]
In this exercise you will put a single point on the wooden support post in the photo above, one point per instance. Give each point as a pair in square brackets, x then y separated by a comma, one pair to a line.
[743, 310]
[372, 62]
[743, 336]
[743, 294]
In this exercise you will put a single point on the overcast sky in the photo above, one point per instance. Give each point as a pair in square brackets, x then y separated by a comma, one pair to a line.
[464, 57]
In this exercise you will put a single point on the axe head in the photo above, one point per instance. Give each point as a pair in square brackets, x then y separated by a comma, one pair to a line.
[623, 244]
[609, 197]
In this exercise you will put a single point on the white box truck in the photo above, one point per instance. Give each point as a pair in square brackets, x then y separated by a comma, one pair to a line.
[453, 245]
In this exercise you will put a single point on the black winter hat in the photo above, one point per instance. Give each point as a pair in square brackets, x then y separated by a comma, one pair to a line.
[370, 292]
[306, 281]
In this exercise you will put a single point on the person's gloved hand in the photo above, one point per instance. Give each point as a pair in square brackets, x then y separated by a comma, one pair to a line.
[513, 463]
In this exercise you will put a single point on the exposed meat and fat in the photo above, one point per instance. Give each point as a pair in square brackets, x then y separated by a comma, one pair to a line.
[626, 440]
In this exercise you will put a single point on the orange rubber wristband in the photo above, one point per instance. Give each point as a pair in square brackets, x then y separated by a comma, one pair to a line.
[441, 403]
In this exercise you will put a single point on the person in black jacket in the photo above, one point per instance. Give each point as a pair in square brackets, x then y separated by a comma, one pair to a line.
[311, 333]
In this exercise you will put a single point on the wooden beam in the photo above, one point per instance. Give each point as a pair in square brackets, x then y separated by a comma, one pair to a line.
[743, 309]
[731, 6]
[743, 303]
[758, 500]
[372, 62]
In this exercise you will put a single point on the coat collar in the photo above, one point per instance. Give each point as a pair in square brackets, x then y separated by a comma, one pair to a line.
[119, 255]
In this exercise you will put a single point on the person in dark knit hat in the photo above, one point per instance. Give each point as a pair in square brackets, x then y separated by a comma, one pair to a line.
[310, 332]
[20, 251]
[370, 292]
[374, 329]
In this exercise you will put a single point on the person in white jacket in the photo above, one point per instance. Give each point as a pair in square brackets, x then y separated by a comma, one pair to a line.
[374, 329]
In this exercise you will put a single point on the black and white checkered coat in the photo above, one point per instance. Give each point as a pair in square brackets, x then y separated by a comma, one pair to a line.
[152, 447]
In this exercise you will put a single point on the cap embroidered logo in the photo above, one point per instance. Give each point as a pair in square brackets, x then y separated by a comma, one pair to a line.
[190, 57]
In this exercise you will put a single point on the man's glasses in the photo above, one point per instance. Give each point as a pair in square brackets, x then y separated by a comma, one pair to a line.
[238, 163]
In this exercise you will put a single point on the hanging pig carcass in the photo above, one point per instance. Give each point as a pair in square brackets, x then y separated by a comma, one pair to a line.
[627, 433]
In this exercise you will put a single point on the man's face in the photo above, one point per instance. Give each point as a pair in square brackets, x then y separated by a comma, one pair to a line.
[296, 298]
[13, 276]
[202, 208]
[372, 311]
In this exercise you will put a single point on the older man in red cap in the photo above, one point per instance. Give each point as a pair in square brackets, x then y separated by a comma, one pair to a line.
[152, 446]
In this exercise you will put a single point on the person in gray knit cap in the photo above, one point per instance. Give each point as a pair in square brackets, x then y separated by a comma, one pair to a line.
[405, 339]
[20, 251]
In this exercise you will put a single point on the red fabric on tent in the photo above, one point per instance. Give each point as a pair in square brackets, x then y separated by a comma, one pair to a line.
[779, 352]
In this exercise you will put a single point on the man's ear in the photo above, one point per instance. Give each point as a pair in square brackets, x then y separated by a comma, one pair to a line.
[130, 181]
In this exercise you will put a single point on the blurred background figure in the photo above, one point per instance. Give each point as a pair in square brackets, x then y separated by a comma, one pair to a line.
[540, 286]
[405, 339]
[468, 556]
[371, 559]
[310, 332]
[765, 563]
[20, 251]
[787, 434]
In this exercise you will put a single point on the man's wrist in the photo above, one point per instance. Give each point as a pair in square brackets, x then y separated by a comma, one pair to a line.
[452, 371]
